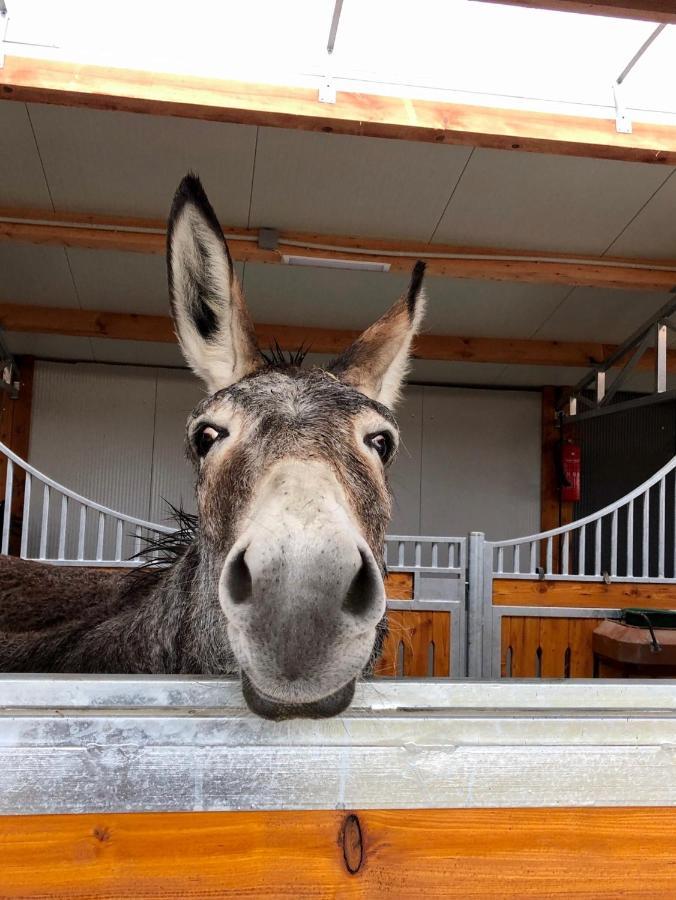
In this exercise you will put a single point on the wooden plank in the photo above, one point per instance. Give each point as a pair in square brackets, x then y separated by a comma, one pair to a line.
[524, 636]
[580, 641]
[399, 586]
[557, 852]
[89, 231]
[646, 10]
[554, 642]
[441, 638]
[416, 631]
[582, 594]
[99, 87]
[159, 329]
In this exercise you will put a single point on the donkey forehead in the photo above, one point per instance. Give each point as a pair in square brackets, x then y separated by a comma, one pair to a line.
[294, 395]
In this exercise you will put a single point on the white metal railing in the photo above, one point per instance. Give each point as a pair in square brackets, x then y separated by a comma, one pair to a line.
[60, 526]
[632, 539]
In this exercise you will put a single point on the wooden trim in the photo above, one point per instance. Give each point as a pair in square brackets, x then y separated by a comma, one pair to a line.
[98, 87]
[573, 852]
[646, 10]
[582, 594]
[132, 235]
[449, 348]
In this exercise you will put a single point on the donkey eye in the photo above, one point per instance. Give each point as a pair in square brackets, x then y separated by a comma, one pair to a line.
[382, 443]
[206, 436]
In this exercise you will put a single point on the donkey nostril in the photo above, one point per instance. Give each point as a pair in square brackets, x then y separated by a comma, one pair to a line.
[362, 592]
[238, 579]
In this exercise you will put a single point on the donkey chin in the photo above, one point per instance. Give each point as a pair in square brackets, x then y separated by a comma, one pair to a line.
[303, 596]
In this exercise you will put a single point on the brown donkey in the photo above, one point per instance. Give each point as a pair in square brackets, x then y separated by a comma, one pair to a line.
[283, 580]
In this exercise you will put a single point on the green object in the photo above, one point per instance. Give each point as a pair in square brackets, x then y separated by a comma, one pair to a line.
[658, 618]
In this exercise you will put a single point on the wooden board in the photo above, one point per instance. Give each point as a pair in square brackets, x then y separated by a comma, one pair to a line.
[282, 106]
[399, 586]
[533, 646]
[646, 10]
[417, 644]
[582, 594]
[597, 854]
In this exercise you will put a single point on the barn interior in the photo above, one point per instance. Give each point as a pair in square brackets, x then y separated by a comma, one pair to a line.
[549, 241]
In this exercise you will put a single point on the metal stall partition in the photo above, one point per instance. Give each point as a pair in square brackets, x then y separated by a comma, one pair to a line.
[536, 600]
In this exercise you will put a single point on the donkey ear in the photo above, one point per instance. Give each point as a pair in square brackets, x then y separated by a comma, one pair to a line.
[377, 362]
[212, 323]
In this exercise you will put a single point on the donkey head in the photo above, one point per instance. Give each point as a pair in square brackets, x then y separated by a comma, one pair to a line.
[292, 493]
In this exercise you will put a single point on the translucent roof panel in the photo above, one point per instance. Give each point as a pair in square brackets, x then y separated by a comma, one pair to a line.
[458, 50]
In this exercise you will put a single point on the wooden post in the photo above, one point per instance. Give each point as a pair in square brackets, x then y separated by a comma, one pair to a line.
[15, 422]
[553, 511]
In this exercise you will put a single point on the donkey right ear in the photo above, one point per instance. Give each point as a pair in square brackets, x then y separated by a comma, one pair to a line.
[211, 320]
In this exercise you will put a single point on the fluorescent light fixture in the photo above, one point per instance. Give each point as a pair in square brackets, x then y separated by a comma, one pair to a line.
[325, 262]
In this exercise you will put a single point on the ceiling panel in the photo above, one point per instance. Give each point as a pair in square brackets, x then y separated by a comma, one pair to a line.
[35, 275]
[122, 282]
[653, 231]
[342, 184]
[124, 163]
[541, 202]
[22, 181]
[595, 314]
[338, 298]
[49, 346]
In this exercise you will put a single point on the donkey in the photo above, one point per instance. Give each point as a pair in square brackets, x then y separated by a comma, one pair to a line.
[283, 581]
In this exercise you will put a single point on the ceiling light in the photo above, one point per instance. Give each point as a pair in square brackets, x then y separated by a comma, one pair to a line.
[325, 262]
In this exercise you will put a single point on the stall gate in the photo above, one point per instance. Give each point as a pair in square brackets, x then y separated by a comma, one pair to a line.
[458, 606]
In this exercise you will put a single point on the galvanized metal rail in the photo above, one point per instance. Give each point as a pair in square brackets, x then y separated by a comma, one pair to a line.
[73, 744]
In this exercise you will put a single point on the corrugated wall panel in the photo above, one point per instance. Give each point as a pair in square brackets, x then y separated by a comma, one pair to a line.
[92, 430]
[480, 462]
[173, 477]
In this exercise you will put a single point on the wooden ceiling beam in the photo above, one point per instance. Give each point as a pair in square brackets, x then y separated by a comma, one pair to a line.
[98, 87]
[645, 10]
[497, 264]
[448, 348]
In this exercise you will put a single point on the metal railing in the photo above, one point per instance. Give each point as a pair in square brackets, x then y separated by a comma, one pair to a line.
[59, 526]
[632, 539]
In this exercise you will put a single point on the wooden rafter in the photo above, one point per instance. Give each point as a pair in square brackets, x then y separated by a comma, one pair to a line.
[647, 10]
[449, 348]
[98, 87]
[100, 232]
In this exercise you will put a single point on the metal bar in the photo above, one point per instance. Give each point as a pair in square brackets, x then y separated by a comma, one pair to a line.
[99, 536]
[630, 539]
[7, 511]
[118, 540]
[582, 550]
[649, 400]
[533, 559]
[565, 553]
[62, 527]
[661, 532]
[335, 22]
[517, 558]
[600, 386]
[660, 358]
[626, 370]
[639, 53]
[26, 515]
[475, 599]
[500, 560]
[549, 556]
[418, 554]
[597, 547]
[646, 534]
[435, 555]
[44, 522]
[137, 540]
[613, 545]
[81, 532]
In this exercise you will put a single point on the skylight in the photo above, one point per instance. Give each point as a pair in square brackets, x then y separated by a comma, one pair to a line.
[459, 50]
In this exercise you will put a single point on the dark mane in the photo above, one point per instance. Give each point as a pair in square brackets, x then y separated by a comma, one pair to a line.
[276, 358]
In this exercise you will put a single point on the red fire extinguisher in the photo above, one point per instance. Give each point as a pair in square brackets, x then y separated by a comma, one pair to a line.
[570, 472]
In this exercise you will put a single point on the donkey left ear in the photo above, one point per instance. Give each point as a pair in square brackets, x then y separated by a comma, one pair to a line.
[212, 322]
[377, 362]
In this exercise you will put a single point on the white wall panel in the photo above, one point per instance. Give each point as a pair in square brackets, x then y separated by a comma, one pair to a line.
[406, 469]
[173, 477]
[480, 462]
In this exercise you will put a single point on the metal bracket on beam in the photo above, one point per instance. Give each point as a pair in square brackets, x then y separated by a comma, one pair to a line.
[327, 91]
[268, 238]
[623, 123]
[4, 21]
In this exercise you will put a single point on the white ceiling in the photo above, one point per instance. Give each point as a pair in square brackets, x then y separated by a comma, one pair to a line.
[108, 162]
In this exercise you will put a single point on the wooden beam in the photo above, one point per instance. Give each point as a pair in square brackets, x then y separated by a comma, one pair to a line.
[97, 232]
[98, 87]
[15, 425]
[454, 853]
[449, 348]
[581, 594]
[646, 10]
